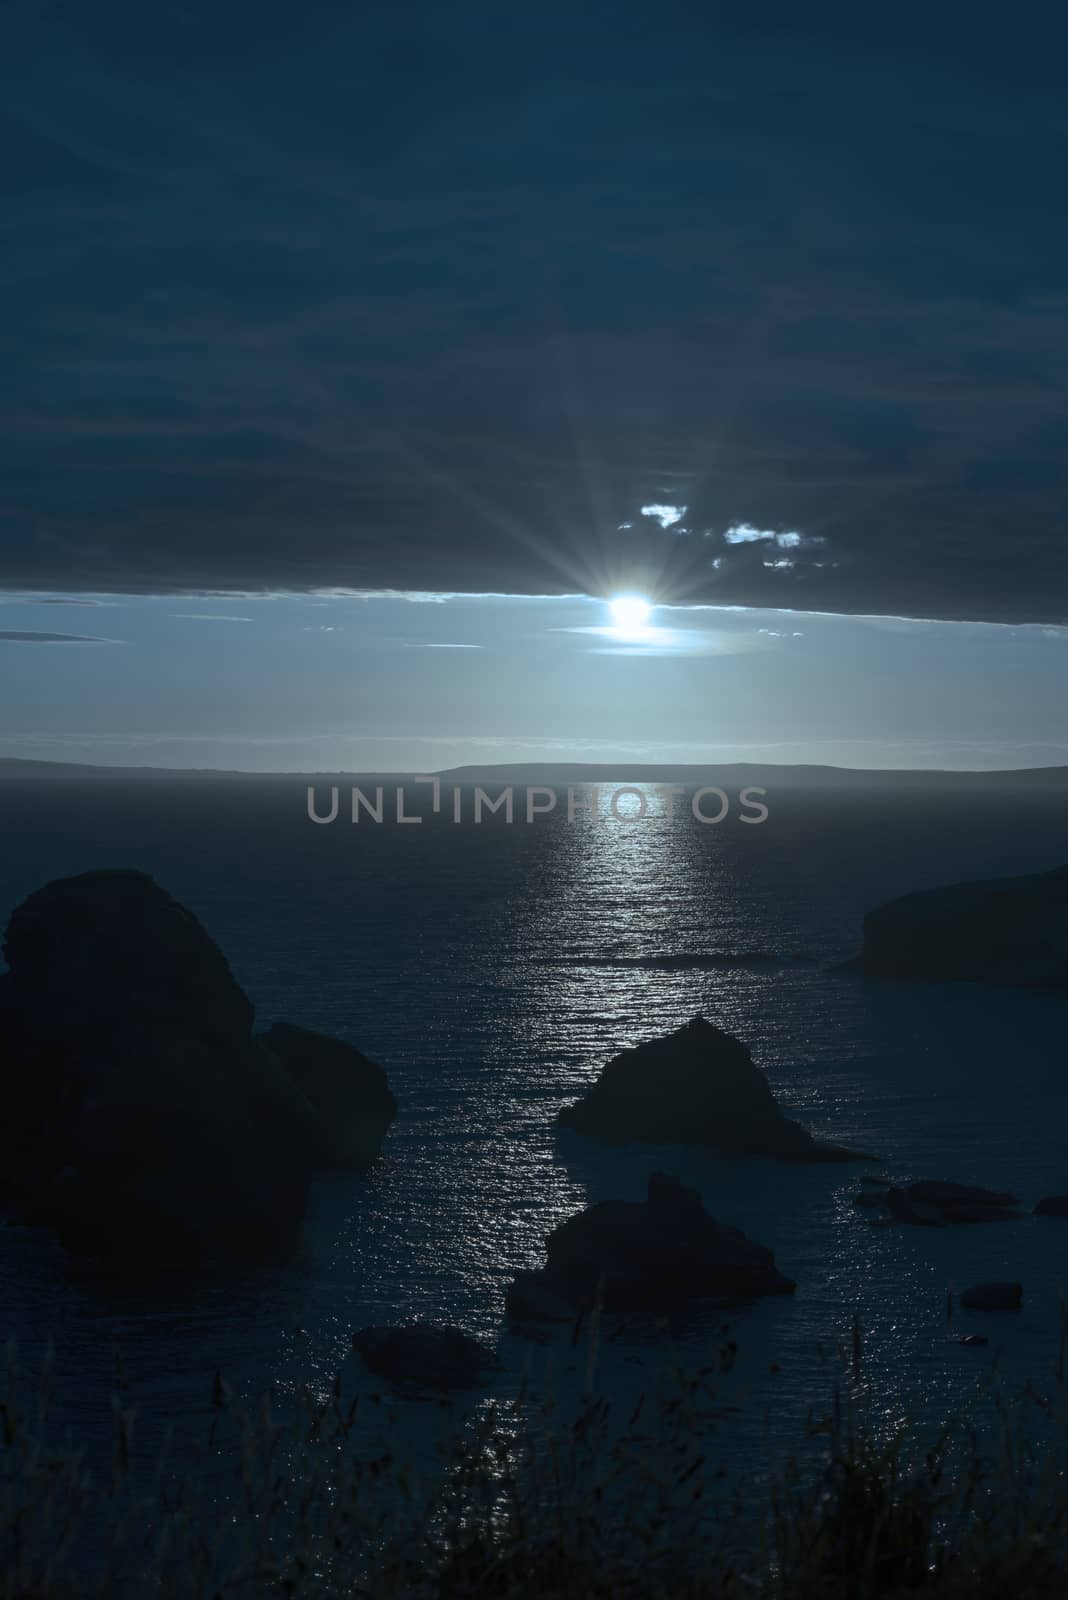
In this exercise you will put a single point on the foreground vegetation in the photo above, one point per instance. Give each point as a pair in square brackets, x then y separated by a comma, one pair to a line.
[305, 1501]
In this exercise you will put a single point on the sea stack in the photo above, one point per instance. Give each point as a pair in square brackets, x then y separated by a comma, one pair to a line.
[651, 1256]
[147, 1124]
[698, 1085]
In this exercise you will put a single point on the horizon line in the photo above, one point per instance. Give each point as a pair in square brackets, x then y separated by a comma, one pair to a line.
[466, 767]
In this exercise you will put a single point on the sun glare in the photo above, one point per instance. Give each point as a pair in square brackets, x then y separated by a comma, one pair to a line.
[630, 613]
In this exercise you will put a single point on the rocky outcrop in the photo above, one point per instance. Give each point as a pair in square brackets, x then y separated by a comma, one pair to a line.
[997, 930]
[698, 1085]
[146, 1123]
[1052, 1205]
[424, 1354]
[993, 1297]
[933, 1203]
[650, 1256]
[349, 1091]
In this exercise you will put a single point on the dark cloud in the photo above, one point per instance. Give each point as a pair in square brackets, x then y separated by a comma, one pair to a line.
[63, 600]
[440, 297]
[22, 636]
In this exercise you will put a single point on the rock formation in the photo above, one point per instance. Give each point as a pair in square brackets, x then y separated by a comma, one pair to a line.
[995, 930]
[993, 1297]
[698, 1085]
[431, 1356]
[147, 1124]
[933, 1203]
[1052, 1205]
[349, 1091]
[651, 1256]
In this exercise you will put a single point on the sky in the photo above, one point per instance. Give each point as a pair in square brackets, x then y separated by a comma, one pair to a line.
[760, 312]
[415, 684]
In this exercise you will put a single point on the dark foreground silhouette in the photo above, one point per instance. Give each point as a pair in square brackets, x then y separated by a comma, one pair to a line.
[541, 1500]
[148, 1123]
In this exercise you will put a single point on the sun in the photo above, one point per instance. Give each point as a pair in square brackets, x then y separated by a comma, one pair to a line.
[630, 613]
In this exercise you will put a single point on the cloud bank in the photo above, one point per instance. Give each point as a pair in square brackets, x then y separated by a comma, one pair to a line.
[303, 297]
[27, 636]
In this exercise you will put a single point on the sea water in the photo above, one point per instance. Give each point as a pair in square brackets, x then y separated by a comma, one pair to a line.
[493, 970]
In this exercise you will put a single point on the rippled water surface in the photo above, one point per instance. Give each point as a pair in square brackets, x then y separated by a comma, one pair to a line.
[493, 970]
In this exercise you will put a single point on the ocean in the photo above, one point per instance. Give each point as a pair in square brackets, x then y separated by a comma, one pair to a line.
[493, 970]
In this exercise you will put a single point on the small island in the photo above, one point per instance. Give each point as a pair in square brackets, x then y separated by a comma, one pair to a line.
[698, 1085]
[652, 1256]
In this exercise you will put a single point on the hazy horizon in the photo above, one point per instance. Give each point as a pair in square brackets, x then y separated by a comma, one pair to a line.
[562, 770]
[421, 682]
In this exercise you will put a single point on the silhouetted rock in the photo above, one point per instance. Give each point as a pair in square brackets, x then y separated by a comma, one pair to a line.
[1052, 1205]
[933, 1203]
[147, 1124]
[644, 1256]
[350, 1092]
[904, 1209]
[955, 1196]
[994, 930]
[698, 1085]
[431, 1356]
[993, 1297]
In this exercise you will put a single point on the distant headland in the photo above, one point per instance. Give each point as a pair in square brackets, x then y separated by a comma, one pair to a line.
[734, 773]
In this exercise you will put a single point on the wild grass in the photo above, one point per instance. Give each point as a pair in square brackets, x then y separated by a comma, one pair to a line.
[309, 1500]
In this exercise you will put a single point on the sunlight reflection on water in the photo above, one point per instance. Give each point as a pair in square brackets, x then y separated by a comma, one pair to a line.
[494, 974]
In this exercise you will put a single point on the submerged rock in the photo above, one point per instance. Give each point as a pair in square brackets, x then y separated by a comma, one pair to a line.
[148, 1125]
[698, 1085]
[1052, 1205]
[993, 1297]
[997, 930]
[427, 1354]
[650, 1256]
